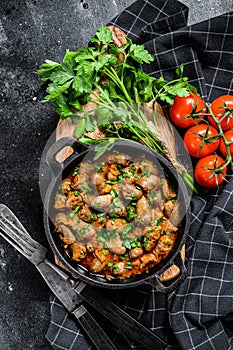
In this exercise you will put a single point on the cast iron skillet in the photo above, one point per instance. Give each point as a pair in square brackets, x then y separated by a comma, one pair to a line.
[62, 170]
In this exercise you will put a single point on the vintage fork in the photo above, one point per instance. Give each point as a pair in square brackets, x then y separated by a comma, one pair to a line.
[71, 292]
[13, 231]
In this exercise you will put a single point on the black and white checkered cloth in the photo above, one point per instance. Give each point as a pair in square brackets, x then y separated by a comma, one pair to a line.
[199, 314]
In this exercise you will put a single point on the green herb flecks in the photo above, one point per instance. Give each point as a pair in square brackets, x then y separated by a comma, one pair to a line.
[159, 221]
[75, 211]
[131, 213]
[104, 235]
[91, 218]
[104, 251]
[113, 266]
[128, 265]
[76, 171]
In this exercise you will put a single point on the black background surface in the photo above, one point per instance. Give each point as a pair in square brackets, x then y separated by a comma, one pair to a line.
[30, 32]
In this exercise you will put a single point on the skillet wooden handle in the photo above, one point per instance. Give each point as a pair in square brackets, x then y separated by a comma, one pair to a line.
[173, 271]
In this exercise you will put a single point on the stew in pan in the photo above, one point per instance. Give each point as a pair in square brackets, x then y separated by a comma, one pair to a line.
[117, 217]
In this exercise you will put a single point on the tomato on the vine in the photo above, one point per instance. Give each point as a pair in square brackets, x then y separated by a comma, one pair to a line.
[229, 138]
[184, 110]
[222, 108]
[199, 140]
[208, 172]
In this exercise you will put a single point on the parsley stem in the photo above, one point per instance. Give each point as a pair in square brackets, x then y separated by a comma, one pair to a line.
[111, 73]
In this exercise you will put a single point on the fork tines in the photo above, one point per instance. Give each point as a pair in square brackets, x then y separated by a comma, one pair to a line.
[18, 237]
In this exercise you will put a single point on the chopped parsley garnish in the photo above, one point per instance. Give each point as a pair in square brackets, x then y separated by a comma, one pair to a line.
[99, 215]
[91, 218]
[128, 265]
[134, 243]
[74, 211]
[154, 193]
[162, 182]
[113, 266]
[76, 171]
[146, 173]
[150, 230]
[125, 174]
[105, 236]
[104, 251]
[86, 188]
[114, 193]
[144, 163]
[145, 241]
[132, 169]
[115, 205]
[120, 178]
[130, 213]
[76, 193]
[124, 256]
[127, 243]
[114, 216]
[160, 221]
[109, 182]
[82, 230]
[127, 229]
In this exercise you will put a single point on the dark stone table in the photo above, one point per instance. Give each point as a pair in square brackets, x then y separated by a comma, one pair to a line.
[30, 32]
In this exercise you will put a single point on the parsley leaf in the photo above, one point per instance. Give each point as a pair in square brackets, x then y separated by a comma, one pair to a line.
[47, 67]
[103, 147]
[80, 128]
[86, 53]
[139, 54]
[55, 90]
[60, 77]
[103, 36]
[90, 126]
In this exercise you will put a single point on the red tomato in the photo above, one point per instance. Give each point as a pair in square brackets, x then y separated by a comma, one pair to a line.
[220, 106]
[184, 107]
[206, 171]
[196, 140]
[229, 137]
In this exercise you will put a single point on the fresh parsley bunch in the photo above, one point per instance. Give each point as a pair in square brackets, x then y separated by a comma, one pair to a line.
[70, 83]
[110, 77]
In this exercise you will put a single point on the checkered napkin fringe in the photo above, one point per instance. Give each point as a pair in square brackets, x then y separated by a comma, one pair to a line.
[199, 314]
